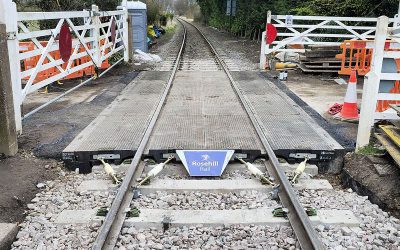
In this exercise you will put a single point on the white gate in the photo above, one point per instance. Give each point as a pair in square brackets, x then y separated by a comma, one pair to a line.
[314, 30]
[386, 45]
[93, 43]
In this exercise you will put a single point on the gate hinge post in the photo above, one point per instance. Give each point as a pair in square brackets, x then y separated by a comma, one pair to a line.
[11, 35]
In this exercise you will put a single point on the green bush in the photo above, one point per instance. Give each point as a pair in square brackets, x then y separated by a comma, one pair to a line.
[65, 5]
[252, 14]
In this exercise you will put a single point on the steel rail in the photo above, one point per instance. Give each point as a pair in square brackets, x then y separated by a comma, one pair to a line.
[115, 217]
[301, 224]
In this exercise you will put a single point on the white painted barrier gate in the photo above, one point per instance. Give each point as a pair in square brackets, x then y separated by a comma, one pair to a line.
[97, 35]
[385, 46]
[295, 32]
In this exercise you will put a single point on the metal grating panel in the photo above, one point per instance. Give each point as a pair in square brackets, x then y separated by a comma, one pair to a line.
[121, 125]
[284, 123]
[203, 112]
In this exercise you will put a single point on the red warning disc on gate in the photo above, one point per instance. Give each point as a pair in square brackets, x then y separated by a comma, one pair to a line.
[65, 42]
[113, 31]
[271, 33]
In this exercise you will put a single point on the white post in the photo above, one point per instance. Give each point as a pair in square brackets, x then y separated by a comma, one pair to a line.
[371, 85]
[263, 60]
[96, 35]
[264, 45]
[8, 15]
[126, 35]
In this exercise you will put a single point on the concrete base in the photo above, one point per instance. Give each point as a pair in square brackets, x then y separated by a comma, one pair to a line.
[232, 166]
[154, 218]
[8, 232]
[150, 218]
[310, 169]
[96, 185]
[78, 217]
[224, 186]
[314, 184]
[118, 169]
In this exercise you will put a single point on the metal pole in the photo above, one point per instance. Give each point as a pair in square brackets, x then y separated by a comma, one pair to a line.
[8, 133]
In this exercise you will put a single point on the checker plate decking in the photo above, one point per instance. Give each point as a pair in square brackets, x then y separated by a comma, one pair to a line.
[119, 127]
[201, 112]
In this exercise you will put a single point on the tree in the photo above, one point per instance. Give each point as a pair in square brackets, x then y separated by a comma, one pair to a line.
[251, 14]
[65, 5]
[153, 11]
[181, 7]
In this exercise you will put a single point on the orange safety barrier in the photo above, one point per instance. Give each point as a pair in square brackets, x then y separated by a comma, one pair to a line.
[105, 64]
[31, 62]
[357, 55]
[383, 105]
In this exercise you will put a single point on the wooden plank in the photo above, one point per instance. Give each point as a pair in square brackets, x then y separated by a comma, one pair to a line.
[392, 132]
[390, 147]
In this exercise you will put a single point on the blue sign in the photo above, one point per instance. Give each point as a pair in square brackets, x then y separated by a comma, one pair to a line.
[205, 162]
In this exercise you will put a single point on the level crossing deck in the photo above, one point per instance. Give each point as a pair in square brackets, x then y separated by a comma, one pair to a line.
[201, 112]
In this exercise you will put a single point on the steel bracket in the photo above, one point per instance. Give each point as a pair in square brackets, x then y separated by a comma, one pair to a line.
[11, 35]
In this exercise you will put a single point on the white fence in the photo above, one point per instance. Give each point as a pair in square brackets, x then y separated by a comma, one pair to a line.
[97, 35]
[385, 37]
[314, 30]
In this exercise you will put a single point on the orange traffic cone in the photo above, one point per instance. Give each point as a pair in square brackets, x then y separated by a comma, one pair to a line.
[350, 109]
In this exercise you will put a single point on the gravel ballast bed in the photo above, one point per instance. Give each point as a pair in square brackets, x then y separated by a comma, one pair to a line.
[38, 230]
[199, 237]
[228, 175]
[378, 230]
[205, 201]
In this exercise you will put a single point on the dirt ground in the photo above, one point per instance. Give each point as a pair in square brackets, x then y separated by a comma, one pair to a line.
[375, 177]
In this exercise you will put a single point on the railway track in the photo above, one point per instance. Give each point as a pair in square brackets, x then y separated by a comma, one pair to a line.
[198, 54]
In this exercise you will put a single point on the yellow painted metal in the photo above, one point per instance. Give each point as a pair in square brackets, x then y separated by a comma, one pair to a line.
[280, 65]
[390, 147]
[392, 132]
